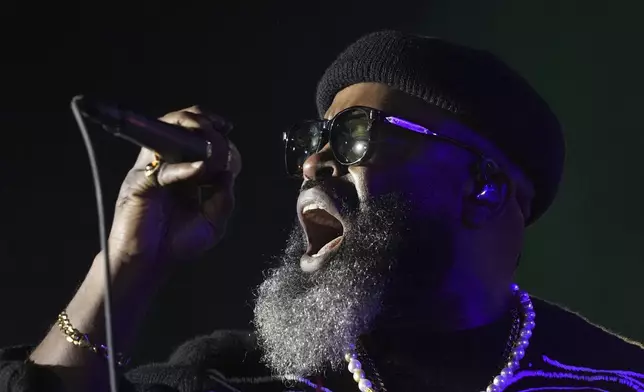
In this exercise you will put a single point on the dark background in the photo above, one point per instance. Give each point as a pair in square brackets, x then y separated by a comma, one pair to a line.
[258, 65]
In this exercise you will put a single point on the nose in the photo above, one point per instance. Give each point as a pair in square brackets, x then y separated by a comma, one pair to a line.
[322, 165]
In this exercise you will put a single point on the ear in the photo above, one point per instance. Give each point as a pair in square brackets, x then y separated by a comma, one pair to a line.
[486, 201]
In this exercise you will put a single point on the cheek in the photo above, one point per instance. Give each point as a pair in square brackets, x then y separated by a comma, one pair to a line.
[429, 188]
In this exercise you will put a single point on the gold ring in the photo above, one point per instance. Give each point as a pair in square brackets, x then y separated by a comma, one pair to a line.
[152, 168]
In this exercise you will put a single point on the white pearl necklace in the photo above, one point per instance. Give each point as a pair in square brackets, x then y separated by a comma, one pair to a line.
[499, 382]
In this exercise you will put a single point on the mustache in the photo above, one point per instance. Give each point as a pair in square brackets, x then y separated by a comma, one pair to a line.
[338, 189]
[310, 184]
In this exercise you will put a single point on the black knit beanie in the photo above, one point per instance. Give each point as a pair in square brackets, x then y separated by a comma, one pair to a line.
[475, 85]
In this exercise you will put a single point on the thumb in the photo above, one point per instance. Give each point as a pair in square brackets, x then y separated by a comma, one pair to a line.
[177, 172]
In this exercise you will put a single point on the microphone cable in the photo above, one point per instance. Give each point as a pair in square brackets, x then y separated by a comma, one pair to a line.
[109, 337]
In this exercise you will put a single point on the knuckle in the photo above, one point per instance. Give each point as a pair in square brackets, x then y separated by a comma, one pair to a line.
[132, 182]
[194, 120]
[163, 177]
[196, 117]
[132, 187]
[183, 118]
[196, 109]
[169, 116]
[167, 175]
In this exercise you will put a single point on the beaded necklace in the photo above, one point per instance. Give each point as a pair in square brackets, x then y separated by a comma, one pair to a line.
[517, 346]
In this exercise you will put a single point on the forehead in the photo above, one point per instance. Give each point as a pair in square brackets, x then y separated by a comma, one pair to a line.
[382, 97]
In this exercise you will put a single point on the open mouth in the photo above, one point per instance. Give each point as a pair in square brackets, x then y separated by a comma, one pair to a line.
[323, 231]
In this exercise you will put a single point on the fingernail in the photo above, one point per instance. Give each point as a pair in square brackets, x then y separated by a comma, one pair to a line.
[197, 165]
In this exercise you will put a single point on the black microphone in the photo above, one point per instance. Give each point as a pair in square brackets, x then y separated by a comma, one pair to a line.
[172, 142]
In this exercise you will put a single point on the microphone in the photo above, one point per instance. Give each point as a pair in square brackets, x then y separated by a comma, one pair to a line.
[172, 142]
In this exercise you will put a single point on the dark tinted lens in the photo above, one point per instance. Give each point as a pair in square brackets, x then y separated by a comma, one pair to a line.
[350, 135]
[300, 143]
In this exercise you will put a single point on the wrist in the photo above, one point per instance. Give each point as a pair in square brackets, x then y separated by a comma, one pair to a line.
[133, 287]
[131, 277]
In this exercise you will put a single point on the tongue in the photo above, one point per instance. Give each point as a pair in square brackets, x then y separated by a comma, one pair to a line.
[329, 245]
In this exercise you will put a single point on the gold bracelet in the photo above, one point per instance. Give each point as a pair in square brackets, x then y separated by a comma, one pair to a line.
[75, 337]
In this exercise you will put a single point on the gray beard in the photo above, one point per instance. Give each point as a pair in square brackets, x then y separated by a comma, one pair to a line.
[306, 322]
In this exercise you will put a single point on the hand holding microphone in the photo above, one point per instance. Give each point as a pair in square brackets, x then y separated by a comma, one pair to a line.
[159, 216]
[158, 220]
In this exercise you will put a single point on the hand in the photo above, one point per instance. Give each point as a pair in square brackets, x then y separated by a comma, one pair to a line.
[162, 221]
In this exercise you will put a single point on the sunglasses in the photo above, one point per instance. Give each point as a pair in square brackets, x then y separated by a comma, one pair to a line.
[351, 133]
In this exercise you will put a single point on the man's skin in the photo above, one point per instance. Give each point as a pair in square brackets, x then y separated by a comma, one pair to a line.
[487, 243]
[147, 241]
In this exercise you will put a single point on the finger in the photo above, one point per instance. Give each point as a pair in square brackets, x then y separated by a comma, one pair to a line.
[219, 206]
[218, 160]
[225, 155]
[178, 172]
[196, 109]
[234, 160]
[225, 159]
[210, 223]
[145, 156]
[190, 120]
[194, 118]
[218, 122]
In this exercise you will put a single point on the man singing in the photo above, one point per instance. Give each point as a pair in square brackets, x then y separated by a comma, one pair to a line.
[429, 162]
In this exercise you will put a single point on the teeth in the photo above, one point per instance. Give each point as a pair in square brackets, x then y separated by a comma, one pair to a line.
[312, 207]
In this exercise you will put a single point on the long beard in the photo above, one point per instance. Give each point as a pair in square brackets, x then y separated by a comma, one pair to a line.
[306, 322]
